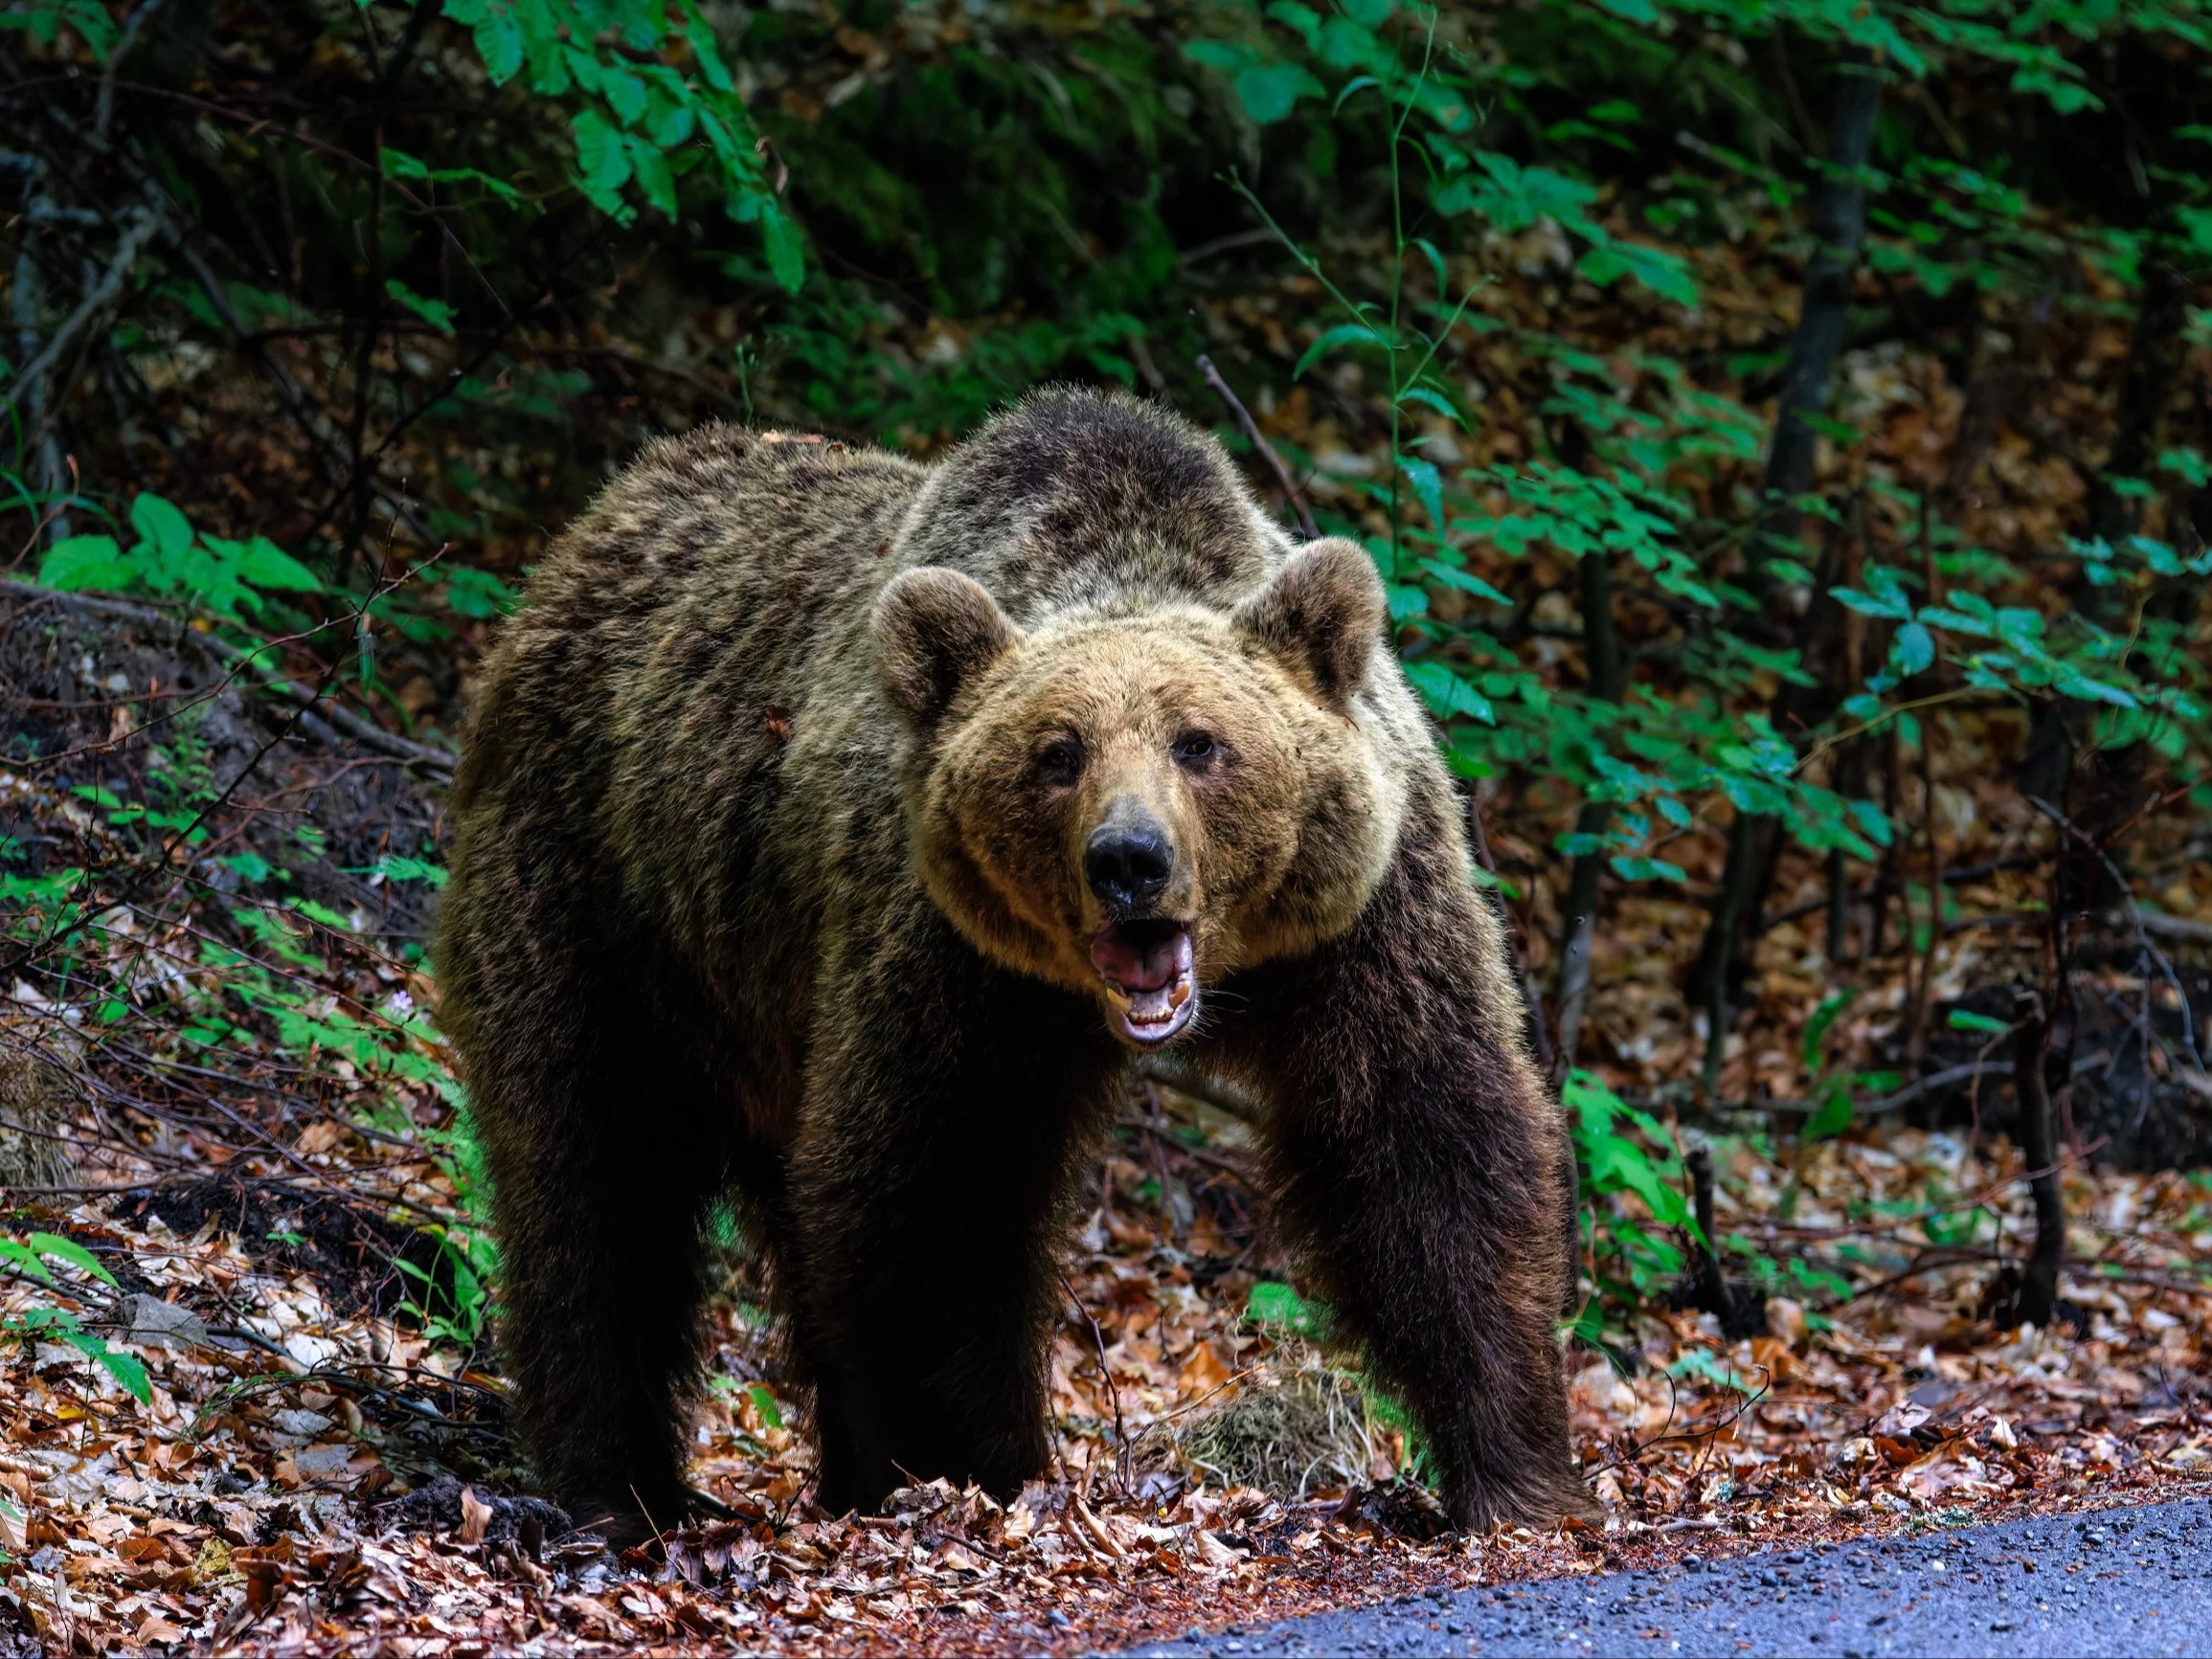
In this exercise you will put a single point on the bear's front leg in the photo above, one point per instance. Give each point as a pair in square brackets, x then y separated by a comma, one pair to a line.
[1421, 1169]
[949, 1103]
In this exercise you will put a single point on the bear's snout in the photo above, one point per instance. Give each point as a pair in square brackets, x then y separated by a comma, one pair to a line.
[1127, 865]
[1145, 960]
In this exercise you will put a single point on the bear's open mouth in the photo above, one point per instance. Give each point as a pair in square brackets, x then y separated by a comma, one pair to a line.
[1151, 984]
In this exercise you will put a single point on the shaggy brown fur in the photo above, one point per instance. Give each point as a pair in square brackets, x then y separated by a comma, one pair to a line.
[777, 875]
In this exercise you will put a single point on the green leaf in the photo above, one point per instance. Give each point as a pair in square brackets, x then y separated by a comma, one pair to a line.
[1217, 54]
[1432, 398]
[1816, 1028]
[25, 1260]
[394, 868]
[602, 160]
[764, 1402]
[399, 164]
[82, 562]
[1466, 581]
[651, 170]
[1832, 1119]
[1429, 485]
[58, 1249]
[166, 531]
[786, 247]
[123, 1367]
[1661, 272]
[1447, 694]
[1343, 334]
[265, 565]
[1268, 92]
[1271, 1304]
[249, 867]
[1966, 1020]
[498, 37]
[1914, 649]
[434, 312]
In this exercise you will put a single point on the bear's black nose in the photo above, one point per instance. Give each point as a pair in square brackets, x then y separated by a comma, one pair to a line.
[1128, 864]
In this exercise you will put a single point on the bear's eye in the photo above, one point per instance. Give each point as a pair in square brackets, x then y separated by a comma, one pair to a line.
[1194, 749]
[1060, 762]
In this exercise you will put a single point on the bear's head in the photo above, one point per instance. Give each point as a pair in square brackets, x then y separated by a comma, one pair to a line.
[1136, 804]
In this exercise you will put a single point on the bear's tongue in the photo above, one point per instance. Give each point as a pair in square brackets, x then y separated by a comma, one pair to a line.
[1147, 964]
[1141, 957]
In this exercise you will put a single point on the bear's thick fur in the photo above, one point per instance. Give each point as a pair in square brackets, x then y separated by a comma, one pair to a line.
[832, 831]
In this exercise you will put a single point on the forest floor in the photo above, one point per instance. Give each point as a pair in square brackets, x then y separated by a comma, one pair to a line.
[291, 1481]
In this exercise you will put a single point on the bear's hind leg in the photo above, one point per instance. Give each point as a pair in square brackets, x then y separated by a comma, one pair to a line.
[605, 1158]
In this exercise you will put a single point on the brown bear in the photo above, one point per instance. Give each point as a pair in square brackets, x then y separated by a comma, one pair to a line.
[835, 830]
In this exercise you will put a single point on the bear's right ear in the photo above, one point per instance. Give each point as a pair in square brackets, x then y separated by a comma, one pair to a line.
[934, 628]
[1322, 612]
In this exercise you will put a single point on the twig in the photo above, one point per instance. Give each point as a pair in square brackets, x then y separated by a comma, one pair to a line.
[1928, 1261]
[1954, 878]
[104, 109]
[1251, 430]
[127, 250]
[1905, 1096]
[1196, 1154]
[1113, 1389]
[1897, 1223]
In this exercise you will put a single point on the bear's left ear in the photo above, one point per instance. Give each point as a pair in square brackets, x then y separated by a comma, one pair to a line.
[1323, 611]
[934, 628]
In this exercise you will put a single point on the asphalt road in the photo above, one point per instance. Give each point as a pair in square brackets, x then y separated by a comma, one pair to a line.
[2123, 1582]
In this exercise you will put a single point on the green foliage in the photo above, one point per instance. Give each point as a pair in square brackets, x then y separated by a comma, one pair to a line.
[25, 1254]
[453, 1307]
[265, 991]
[1625, 1153]
[1271, 1305]
[650, 102]
[170, 560]
[764, 1402]
[27, 1257]
[1833, 1088]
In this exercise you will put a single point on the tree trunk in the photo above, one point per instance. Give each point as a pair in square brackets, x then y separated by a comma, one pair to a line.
[1839, 227]
[2038, 1291]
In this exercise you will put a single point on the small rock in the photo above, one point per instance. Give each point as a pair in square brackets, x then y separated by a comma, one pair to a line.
[151, 1321]
[1693, 1564]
